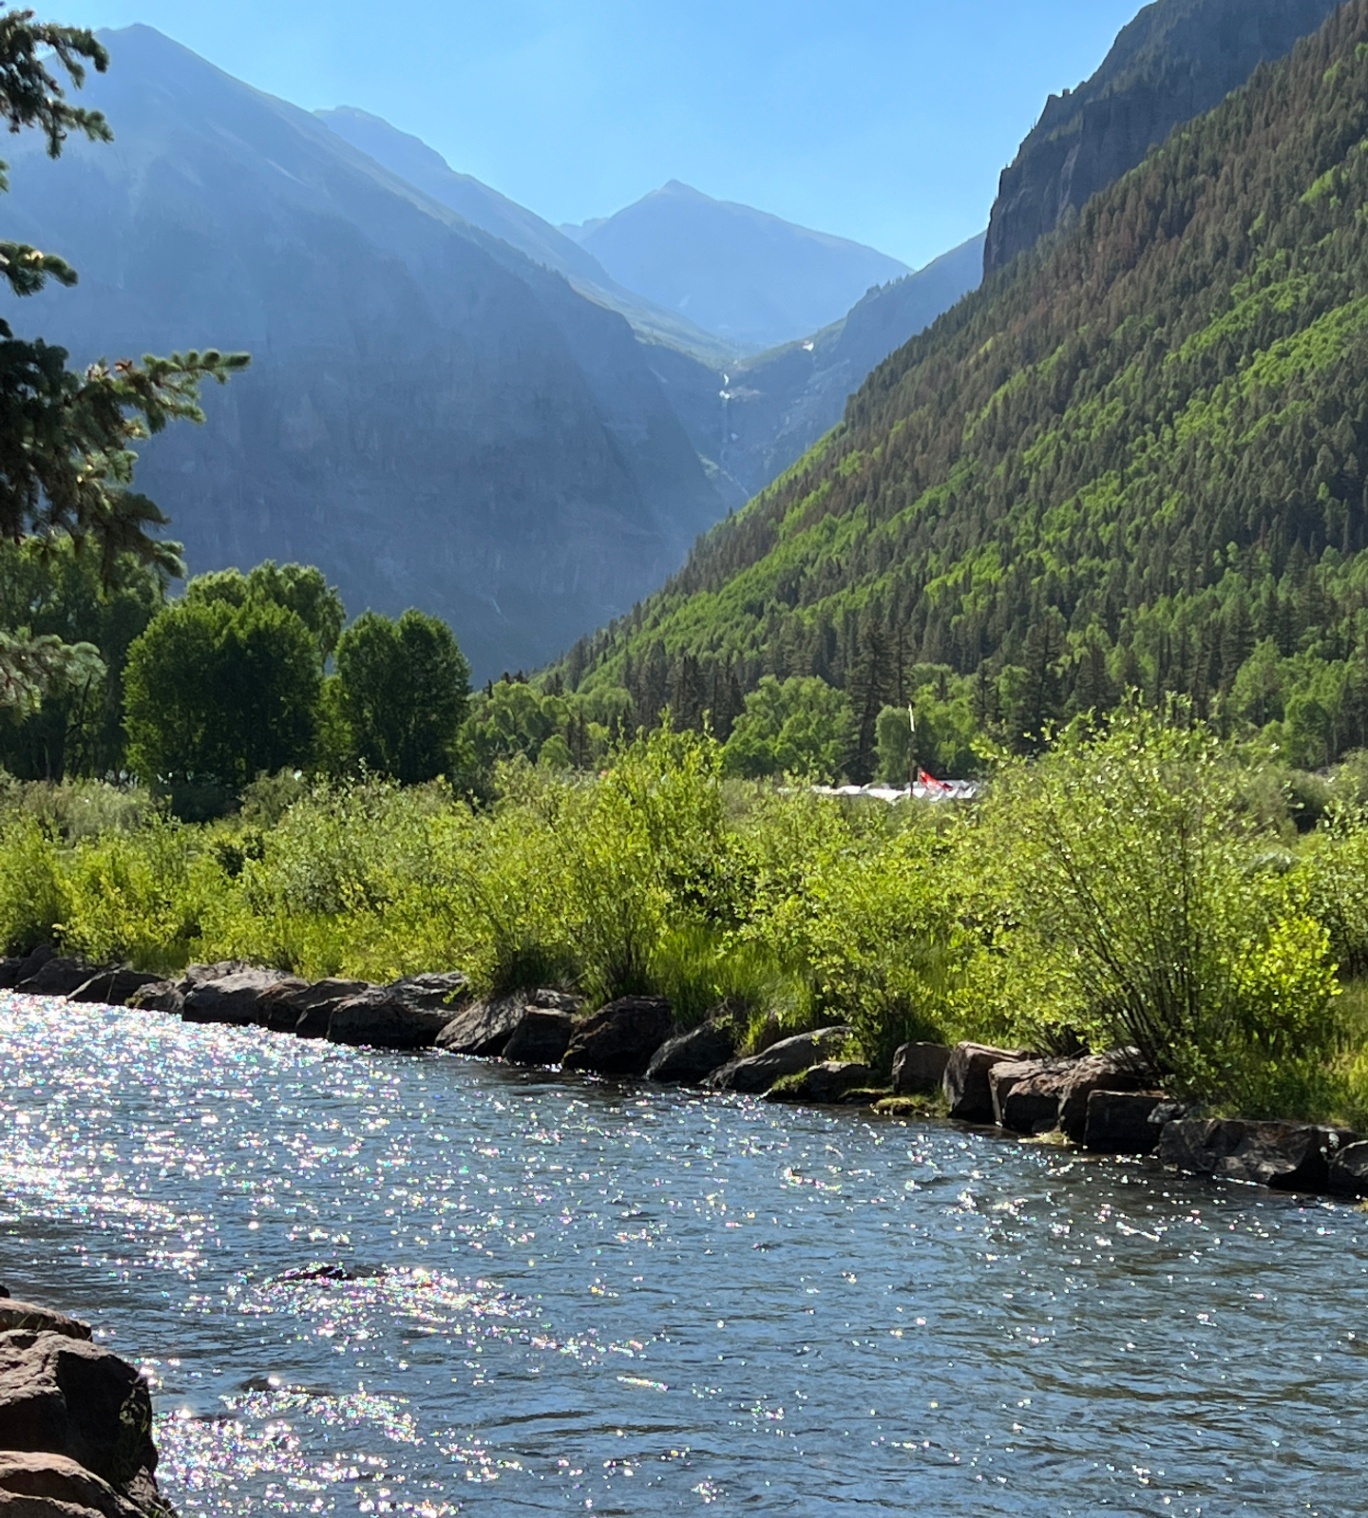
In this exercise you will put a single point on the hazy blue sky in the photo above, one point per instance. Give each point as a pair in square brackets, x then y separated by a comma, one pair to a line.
[883, 120]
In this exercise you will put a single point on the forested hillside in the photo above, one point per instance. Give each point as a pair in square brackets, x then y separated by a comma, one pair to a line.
[1135, 458]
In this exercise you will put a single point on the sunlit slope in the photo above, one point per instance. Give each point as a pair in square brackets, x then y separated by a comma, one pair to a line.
[1160, 410]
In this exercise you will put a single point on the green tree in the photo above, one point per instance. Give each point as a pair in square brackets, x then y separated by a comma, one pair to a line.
[799, 726]
[403, 689]
[218, 694]
[299, 588]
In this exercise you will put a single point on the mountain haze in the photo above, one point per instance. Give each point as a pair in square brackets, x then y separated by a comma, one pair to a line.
[1177, 59]
[431, 417]
[745, 276]
[1136, 457]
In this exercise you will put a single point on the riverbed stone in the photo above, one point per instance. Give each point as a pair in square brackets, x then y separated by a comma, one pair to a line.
[1026, 1094]
[24, 965]
[1282, 1156]
[159, 996]
[541, 1038]
[1349, 1170]
[755, 1075]
[1121, 1122]
[919, 1069]
[15, 1315]
[966, 1085]
[306, 1010]
[113, 988]
[235, 999]
[59, 976]
[63, 1396]
[484, 1027]
[378, 1019]
[824, 1085]
[1116, 1070]
[434, 991]
[622, 1038]
[41, 1485]
[690, 1058]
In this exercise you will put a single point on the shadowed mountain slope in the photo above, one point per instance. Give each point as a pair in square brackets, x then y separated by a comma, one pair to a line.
[1177, 59]
[430, 417]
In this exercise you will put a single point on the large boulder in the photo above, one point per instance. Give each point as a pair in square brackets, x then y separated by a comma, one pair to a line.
[41, 1485]
[306, 1010]
[919, 1069]
[1026, 1093]
[967, 1088]
[484, 1027]
[622, 1038]
[1122, 1122]
[159, 996]
[541, 1038]
[64, 1396]
[1283, 1156]
[823, 1085]
[378, 1019]
[1349, 1170]
[24, 1315]
[234, 999]
[442, 991]
[691, 1058]
[21, 968]
[114, 988]
[790, 1056]
[58, 976]
[1118, 1070]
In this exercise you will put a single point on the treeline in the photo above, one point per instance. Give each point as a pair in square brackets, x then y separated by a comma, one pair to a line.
[1134, 459]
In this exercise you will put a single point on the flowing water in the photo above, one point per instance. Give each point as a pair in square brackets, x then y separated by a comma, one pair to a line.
[367, 1283]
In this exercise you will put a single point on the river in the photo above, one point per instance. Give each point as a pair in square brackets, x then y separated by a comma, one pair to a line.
[370, 1283]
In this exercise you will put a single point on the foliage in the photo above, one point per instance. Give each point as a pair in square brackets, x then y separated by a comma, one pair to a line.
[299, 588]
[402, 691]
[220, 693]
[797, 727]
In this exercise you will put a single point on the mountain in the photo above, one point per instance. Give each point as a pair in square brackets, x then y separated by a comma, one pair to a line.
[747, 277]
[776, 406]
[431, 417]
[1136, 457]
[1176, 60]
[423, 167]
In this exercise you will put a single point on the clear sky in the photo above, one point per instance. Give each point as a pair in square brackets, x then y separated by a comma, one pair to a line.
[883, 120]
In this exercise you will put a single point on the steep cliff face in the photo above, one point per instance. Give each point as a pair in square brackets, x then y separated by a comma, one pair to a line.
[1175, 61]
[430, 417]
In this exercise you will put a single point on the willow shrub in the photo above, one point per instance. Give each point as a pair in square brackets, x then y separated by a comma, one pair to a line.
[1133, 868]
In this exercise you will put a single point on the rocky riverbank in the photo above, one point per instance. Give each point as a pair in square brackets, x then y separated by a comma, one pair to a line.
[75, 1423]
[1105, 1103]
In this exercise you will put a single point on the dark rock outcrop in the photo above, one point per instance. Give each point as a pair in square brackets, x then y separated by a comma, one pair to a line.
[1118, 1070]
[1120, 1122]
[1177, 60]
[1027, 1093]
[622, 1038]
[25, 1316]
[1282, 1156]
[967, 1088]
[541, 1037]
[307, 1010]
[691, 1058]
[23, 966]
[1349, 1170]
[484, 1028]
[64, 1396]
[826, 1084]
[159, 996]
[919, 1069]
[235, 998]
[441, 991]
[378, 1019]
[41, 1485]
[756, 1074]
[58, 976]
[114, 988]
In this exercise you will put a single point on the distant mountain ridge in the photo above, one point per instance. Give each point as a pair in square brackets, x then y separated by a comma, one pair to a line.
[744, 275]
[431, 417]
[1175, 61]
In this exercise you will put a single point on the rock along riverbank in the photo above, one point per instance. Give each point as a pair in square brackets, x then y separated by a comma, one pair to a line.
[1105, 1103]
[75, 1423]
